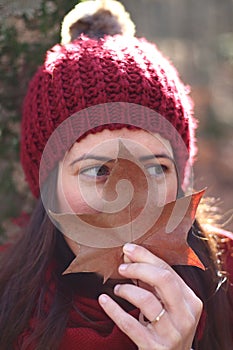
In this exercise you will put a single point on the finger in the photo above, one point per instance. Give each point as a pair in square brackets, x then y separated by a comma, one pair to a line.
[159, 336]
[182, 313]
[150, 307]
[127, 259]
[137, 253]
[177, 297]
[139, 334]
[162, 280]
[141, 298]
[168, 288]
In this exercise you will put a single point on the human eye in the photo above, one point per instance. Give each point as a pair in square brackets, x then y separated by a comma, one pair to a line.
[97, 172]
[157, 170]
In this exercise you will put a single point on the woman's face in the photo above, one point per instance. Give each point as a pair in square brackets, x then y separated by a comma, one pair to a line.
[88, 164]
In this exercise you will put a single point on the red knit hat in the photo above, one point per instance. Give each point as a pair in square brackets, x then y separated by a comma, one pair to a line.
[90, 72]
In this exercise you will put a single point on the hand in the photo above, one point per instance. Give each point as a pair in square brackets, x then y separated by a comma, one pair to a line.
[166, 290]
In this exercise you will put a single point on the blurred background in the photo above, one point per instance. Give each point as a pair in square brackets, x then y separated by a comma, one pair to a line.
[196, 35]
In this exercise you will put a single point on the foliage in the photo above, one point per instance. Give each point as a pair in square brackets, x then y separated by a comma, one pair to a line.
[27, 30]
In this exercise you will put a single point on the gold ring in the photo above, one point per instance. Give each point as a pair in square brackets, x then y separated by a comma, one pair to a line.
[157, 318]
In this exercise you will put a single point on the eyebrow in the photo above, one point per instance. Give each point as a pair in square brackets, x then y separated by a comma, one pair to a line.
[107, 159]
[153, 156]
[91, 156]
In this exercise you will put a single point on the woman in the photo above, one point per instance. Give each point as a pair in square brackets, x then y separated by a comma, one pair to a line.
[90, 97]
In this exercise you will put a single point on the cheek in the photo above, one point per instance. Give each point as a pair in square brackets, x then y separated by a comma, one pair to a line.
[167, 190]
[172, 187]
[69, 196]
[74, 201]
[79, 198]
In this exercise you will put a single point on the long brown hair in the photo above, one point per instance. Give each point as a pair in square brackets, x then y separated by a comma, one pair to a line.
[24, 287]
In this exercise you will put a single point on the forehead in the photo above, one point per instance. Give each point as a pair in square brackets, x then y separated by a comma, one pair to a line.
[106, 143]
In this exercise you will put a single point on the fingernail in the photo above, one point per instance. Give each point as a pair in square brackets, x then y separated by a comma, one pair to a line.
[116, 288]
[103, 299]
[123, 267]
[129, 248]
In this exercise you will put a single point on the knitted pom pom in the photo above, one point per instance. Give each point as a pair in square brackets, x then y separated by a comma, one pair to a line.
[96, 18]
